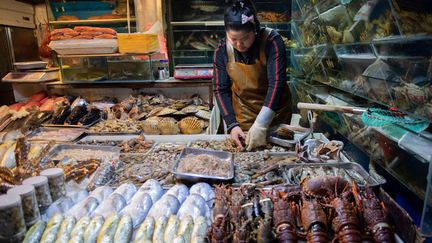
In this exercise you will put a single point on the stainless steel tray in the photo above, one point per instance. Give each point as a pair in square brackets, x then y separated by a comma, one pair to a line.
[61, 147]
[71, 126]
[200, 177]
[300, 133]
[46, 134]
[338, 169]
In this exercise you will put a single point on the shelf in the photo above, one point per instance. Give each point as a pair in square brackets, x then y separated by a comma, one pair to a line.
[107, 55]
[217, 23]
[167, 83]
[324, 97]
[95, 21]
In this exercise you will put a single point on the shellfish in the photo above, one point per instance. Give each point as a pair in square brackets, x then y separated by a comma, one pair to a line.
[190, 125]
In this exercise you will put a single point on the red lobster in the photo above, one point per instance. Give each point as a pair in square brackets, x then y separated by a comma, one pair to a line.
[220, 231]
[285, 215]
[373, 214]
[314, 220]
[264, 234]
[345, 223]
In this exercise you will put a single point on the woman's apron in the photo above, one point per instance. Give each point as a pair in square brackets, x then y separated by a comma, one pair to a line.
[249, 88]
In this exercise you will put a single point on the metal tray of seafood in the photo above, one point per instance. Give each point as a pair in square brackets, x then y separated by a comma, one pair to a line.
[91, 133]
[56, 134]
[300, 133]
[192, 177]
[114, 151]
[348, 170]
[71, 126]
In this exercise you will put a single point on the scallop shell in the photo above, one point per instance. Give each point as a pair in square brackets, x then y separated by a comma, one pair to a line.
[179, 113]
[168, 126]
[154, 112]
[203, 114]
[190, 125]
[203, 107]
[150, 126]
[178, 105]
[190, 109]
[166, 111]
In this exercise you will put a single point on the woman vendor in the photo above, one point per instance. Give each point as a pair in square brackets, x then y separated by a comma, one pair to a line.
[250, 77]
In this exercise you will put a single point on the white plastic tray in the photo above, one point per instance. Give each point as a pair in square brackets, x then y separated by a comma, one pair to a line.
[80, 46]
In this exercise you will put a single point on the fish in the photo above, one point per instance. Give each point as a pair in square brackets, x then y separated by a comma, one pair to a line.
[102, 176]
[8, 159]
[199, 230]
[84, 208]
[193, 206]
[179, 239]
[34, 234]
[138, 208]
[127, 190]
[153, 188]
[160, 225]
[171, 228]
[35, 151]
[145, 231]
[53, 226]
[92, 231]
[60, 116]
[76, 114]
[93, 115]
[124, 230]
[180, 191]
[108, 230]
[77, 234]
[101, 193]
[205, 191]
[166, 206]
[112, 205]
[185, 228]
[65, 229]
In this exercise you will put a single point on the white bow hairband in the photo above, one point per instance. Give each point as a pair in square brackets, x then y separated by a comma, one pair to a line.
[246, 19]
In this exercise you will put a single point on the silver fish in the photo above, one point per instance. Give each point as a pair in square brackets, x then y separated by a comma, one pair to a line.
[138, 208]
[65, 229]
[145, 231]
[92, 231]
[185, 228]
[107, 232]
[127, 190]
[171, 228]
[34, 234]
[77, 234]
[160, 225]
[50, 233]
[199, 230]
[124, 230]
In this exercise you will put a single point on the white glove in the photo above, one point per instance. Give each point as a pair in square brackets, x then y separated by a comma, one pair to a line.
[257, 135]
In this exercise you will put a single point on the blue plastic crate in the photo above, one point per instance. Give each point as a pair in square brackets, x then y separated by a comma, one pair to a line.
[81, 9]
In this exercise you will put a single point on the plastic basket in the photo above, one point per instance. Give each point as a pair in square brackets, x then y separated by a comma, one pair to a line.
[137, 43]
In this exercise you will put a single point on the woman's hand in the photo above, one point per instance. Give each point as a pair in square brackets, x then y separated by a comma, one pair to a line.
[238, 135]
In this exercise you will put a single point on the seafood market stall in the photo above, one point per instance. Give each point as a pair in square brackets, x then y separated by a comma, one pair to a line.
[135, 187]
[116, 151]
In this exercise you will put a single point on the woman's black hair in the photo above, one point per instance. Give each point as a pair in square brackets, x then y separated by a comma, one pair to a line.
[241, 16]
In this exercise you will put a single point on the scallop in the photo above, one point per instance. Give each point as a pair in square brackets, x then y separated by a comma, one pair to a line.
[190, 125]
[168, 126]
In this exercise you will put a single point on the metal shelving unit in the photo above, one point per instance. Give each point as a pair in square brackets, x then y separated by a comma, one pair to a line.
[372, 69]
